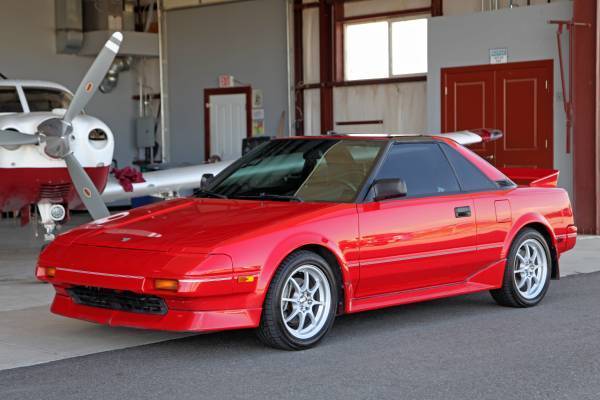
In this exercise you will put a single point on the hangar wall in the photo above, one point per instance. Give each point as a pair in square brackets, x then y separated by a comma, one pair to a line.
[465, 40]
[400, 106]
[247, 40]
[28, 51]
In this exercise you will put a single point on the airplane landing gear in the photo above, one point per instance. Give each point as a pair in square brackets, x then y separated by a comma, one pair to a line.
[50, 215]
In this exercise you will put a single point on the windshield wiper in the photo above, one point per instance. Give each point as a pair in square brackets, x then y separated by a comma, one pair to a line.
[267, 196]
[208, 193]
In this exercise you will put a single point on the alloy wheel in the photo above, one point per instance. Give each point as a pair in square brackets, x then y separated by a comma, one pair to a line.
[305, 302]
[531, 269]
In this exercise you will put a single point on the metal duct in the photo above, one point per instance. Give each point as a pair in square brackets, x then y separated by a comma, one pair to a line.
[111, 79]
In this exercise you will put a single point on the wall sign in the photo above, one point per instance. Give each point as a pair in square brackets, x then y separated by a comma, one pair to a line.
[257, 98]
[499, 55]
[226, 81]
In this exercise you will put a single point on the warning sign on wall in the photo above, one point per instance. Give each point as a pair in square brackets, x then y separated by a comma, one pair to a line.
[499, 55]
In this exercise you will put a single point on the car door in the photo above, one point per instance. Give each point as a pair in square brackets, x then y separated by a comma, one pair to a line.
[425, 239]
[493, 214]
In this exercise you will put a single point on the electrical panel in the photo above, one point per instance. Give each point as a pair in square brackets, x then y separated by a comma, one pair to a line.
[144, 131]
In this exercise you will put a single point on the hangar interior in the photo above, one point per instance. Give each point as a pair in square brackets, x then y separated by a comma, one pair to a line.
[194, 78]
[312, 68]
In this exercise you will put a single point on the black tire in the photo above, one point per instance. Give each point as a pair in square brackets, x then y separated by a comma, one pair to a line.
[272, 330]
[509, 295]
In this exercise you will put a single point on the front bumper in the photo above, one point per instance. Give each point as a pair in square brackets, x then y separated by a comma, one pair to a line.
[173, 320]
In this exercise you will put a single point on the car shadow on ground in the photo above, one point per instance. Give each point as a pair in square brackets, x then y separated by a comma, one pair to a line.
[370, 323]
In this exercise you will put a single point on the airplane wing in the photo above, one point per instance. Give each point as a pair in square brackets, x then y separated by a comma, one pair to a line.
[163, 181]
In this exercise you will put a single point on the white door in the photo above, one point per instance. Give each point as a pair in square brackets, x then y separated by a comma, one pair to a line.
[227, 125]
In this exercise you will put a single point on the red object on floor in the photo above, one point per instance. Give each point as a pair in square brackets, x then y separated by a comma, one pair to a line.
[127, 177]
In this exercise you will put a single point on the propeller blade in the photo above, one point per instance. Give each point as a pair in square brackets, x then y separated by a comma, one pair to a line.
[86, 189]
[12, 138]
[94, 76]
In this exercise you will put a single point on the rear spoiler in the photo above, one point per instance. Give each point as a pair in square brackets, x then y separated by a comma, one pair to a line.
[472, 136]
[465, 138]
[533, 177]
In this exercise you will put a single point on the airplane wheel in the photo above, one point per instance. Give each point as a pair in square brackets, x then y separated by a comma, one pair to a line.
[301, 303]
[527, 273]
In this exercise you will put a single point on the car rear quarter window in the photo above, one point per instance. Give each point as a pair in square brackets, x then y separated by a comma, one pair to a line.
[470, 177]
[422, 166]
[9, 100]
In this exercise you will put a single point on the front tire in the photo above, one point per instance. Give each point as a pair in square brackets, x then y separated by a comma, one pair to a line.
[300, 305]
[527, 273]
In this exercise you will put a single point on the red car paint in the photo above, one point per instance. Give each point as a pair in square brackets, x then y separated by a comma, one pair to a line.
[224, 252]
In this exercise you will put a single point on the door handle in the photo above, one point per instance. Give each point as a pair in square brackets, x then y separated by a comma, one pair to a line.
[462, 212]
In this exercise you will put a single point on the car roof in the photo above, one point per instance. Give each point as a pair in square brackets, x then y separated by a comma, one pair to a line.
[378, 137]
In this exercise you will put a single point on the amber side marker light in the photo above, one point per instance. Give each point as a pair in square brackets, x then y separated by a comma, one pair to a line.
[246, 279]
[166, 284]
[50, 272]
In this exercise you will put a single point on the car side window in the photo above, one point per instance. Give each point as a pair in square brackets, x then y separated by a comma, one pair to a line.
[470, 177]
[422, 166]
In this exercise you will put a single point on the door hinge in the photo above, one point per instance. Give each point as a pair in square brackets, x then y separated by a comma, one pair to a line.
[445, 90]
[546, 85]
[546, 143]
[207, 105]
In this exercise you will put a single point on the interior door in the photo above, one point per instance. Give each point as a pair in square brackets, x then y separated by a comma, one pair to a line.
[515, 98]
[469, 104]
[524, 114]
[227, 121]
[425, 239]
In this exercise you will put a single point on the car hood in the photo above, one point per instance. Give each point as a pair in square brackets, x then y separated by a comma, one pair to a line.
[193, 225]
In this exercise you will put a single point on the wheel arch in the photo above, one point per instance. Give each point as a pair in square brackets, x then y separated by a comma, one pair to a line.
[324, 248]
[541, 225]
[334, 262]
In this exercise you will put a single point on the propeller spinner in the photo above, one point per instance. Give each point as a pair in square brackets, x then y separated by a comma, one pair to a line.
[55, 132]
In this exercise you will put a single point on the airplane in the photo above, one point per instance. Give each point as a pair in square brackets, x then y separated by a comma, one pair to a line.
[54, 156]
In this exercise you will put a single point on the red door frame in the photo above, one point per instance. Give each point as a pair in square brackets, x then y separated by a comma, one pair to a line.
[247, 90]
[444, 72]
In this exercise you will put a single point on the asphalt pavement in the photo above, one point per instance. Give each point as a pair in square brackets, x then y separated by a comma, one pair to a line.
[459, 348]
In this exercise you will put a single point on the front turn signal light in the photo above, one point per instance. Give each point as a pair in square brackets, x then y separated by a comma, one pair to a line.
[166, 284]
[50, 272]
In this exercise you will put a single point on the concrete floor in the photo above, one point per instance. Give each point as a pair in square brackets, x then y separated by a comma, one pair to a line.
[30, 334]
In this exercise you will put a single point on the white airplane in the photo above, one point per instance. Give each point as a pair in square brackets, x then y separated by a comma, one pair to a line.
[54, 156]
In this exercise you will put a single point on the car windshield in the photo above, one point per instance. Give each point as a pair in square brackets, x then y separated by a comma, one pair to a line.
[315, 170]
[46, 99]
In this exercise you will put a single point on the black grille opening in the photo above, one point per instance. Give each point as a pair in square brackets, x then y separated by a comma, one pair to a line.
[117, 300]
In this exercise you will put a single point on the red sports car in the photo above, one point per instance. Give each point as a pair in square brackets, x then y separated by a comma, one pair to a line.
[300, 230]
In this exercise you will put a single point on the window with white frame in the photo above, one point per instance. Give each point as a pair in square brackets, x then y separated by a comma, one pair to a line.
[385, 49]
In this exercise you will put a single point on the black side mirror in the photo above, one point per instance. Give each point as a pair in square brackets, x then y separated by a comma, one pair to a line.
[384, 189]
[206, 180]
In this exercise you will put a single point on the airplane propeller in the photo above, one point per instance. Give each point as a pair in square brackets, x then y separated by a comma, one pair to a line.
[55, 132]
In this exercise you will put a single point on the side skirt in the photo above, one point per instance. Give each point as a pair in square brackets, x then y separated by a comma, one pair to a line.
[486, 279]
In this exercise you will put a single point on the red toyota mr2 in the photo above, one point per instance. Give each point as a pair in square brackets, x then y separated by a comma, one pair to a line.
[300, 230]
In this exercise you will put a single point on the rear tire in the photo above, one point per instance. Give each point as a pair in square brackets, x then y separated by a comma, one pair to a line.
[527, 273]
[301, 302]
